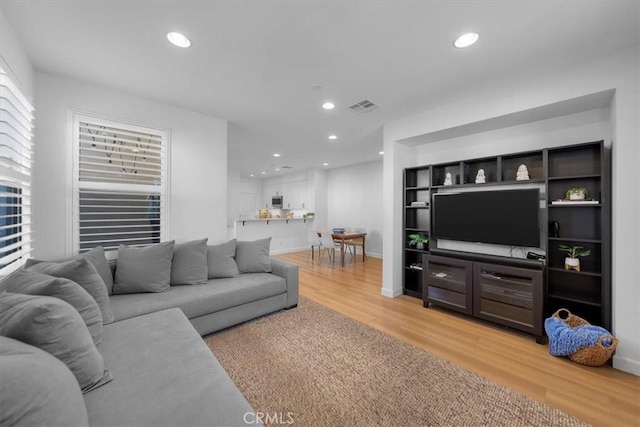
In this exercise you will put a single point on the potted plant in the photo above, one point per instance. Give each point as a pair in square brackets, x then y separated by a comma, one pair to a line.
[576, 194]
[571, 262]
[418, 240]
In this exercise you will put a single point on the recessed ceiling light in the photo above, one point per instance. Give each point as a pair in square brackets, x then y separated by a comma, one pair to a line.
[325, 164]
[381, 152]
[179, 39]
[251, 175]
[328, 105]
[264, 173]
[332, 137]
[466, 40]
[276, 155]
[277, 169]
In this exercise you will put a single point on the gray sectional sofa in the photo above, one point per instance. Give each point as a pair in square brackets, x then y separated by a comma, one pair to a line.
[162, 371]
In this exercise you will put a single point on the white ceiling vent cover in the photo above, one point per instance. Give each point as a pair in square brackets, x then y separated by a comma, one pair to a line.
[363, 107]
[286, 167]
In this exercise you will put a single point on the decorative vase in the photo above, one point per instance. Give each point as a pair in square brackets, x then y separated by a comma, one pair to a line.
[572, 264]
[420, 246]
[576, 196]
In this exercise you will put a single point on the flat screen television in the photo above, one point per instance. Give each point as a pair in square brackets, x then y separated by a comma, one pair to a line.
[503, 217]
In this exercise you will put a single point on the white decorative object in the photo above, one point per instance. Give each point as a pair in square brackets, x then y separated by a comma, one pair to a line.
[447, 179]
[523, 173]
[480, 179]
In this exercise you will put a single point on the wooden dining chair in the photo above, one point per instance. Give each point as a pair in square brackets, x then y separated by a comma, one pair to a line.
[353, 244]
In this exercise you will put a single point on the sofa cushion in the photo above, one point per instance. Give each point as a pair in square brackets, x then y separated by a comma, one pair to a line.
[215, 295]
[220, 260]
[253, 257]
[37, 389]
[146, 269]
[97, 257]
[32, 283]
[189, 264]
[171, 378]
[54, 326]
[81, 271]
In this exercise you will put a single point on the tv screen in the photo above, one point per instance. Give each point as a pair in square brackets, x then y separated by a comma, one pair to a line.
[504, 217]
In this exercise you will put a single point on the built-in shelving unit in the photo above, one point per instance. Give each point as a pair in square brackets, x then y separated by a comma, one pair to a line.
[586, 292]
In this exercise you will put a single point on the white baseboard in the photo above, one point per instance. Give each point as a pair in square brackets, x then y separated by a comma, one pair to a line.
[289, 250]
[391, 293]
[628, 365]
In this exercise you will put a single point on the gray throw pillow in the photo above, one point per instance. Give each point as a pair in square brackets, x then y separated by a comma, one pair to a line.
[97, 257]
[32, 283]
[146, 269]
[253, 257]
[54, 326]
[220, 260]
[37, 389]
[81, 271]
[189, 264]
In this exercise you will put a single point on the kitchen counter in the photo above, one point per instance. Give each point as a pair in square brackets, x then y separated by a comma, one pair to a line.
[267, 220]
[287, 234]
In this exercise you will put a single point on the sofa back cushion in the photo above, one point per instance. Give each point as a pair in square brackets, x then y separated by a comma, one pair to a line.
[221, 261]
[57, 328]
[189, 264]
[146, 269]
[37, 388]
[253, 257]
[81, 271]
[32, 283]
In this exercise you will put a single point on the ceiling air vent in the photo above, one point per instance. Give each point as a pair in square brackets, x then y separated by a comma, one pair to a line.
[363, 107]
[286, 167]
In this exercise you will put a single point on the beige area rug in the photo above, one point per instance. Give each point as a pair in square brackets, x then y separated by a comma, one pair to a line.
[315, 367]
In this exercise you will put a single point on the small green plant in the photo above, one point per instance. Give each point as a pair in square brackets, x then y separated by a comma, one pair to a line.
[414, 239]
[577, 193]
[574, 251]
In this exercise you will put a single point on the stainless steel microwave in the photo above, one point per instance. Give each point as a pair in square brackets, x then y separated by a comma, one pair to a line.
[276, 201]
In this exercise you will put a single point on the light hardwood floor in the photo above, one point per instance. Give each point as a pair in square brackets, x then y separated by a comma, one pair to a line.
[601, 396]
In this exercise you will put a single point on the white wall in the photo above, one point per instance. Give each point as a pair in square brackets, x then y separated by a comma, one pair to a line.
[14, 59]
[354, 199]
[198, 161]
[618, 71]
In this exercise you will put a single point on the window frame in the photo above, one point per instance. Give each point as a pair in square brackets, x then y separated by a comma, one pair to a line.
[20, 174]
[75, 118]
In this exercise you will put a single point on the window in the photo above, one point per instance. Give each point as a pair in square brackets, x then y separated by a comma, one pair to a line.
[120, 193]
[16, 115]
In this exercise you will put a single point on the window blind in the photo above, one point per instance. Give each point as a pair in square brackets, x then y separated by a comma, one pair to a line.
[16, 127]
[120, 195]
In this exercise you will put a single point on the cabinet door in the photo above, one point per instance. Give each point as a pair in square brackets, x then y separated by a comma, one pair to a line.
[510, 296]
[447, 282]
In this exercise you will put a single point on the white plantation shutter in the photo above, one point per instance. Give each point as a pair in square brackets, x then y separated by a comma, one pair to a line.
[120, 180]
[16, 115]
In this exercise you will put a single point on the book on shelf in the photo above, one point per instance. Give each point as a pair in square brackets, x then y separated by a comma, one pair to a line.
[574, 202]
[419, 204]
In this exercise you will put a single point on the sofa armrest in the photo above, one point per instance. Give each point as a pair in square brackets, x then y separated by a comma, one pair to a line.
[289, 272]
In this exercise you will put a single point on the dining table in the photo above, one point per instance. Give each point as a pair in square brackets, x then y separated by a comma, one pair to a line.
[342, 238]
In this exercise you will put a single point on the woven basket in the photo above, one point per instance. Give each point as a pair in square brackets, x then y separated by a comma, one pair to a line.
[595, 355]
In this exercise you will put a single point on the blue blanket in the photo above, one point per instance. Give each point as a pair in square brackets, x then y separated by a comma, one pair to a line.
[565, 340]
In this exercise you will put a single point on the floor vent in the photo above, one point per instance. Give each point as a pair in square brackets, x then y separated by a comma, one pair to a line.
[364, 107]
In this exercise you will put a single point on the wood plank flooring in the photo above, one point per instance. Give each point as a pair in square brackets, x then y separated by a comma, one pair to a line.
[601, 396]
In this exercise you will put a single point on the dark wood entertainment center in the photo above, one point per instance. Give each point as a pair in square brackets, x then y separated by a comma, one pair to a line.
[517, 292]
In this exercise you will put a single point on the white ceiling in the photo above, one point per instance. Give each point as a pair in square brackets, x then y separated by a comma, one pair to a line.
[254, 63]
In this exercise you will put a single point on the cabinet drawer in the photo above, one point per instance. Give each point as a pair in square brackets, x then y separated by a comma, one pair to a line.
[452, 300]
[506, 314]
